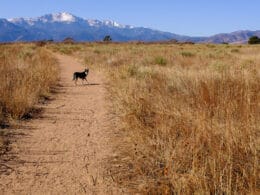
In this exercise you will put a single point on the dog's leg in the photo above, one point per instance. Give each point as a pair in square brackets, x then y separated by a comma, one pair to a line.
[86, 80]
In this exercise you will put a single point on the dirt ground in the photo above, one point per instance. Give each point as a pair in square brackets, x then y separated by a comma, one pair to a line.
[64, 150]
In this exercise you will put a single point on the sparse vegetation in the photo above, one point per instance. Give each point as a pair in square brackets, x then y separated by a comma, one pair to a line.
[189, 127]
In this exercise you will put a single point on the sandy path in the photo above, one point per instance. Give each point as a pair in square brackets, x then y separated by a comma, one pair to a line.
[63, 151]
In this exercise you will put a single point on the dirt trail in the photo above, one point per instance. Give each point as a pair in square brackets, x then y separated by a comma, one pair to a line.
[63, 151]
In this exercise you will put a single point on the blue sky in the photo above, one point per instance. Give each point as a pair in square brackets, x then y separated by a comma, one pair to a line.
[187, 17]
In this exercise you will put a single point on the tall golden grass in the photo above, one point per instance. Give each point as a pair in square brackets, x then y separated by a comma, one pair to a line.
[27, 73]
[189, 116]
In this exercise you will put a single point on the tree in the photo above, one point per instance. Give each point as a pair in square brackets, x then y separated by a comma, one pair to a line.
[107, 38]
[254, 40]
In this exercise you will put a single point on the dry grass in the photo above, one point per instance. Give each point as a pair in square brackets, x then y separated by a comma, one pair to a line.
[189, 116]
[27, 73]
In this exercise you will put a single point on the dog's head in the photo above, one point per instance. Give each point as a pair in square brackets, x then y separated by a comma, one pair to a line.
[86, 70]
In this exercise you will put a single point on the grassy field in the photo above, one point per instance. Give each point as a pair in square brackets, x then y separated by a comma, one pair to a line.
[27, 73]
[189, 115]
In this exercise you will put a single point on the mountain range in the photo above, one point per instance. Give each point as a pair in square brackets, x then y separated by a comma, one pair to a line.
[59, 26]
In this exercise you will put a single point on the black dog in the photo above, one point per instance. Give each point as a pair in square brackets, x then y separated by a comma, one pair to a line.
[81, 75]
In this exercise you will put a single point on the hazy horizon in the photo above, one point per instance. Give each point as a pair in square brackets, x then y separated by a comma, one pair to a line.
[200, 18]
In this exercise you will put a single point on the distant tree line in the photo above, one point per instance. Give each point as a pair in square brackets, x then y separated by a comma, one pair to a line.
[254, 40]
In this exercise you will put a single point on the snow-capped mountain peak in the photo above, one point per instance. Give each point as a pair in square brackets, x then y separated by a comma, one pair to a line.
[66, 18]
[113, 23]
[63, 17]
[58, 26]
[92, 22]
[22, 21]
[109, 23]
[57, 17]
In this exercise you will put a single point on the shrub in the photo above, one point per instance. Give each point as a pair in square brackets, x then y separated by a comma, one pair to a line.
[187, 54]
[159, 60]
[254, 40]
[107, 38]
